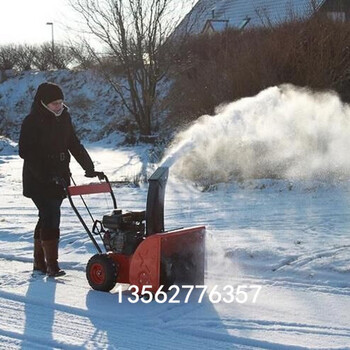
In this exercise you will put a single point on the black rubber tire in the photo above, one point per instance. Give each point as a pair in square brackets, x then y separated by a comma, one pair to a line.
[101, 272]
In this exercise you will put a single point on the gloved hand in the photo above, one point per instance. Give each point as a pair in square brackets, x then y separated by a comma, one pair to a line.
[100, 175]
[93, 173]
[90, 173]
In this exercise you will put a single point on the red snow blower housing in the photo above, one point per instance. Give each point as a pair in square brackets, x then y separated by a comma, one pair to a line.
[138, 251]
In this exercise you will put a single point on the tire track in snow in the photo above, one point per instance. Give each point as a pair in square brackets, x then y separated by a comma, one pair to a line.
[304, 260]
[72, 326]
[292, 283]
[31, 323]
[243, 341]
[204, 328]
[293, 327]
[31, 341]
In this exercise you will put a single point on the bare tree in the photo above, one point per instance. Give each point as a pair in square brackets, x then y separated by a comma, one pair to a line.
[63, 56]
[7, 57]
[43, 57]
[24, 56]
[134, 33]
[81, 55]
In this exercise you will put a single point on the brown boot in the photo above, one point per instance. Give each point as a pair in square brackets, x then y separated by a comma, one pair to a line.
[51, 255]
[39, 257]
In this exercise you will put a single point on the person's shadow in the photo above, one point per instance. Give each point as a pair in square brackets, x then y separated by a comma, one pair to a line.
[39, 313]
[104, 315]
[120, 324]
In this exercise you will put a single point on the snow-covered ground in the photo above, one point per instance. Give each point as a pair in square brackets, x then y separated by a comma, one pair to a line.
[285, 243]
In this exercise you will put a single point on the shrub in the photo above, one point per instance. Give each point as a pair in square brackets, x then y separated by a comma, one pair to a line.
[210, 70]
[7, 57]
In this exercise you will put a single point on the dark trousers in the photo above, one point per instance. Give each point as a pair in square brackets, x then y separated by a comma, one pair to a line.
[47, 227]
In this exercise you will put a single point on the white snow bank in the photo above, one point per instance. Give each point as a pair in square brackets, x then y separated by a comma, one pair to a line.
[94, 106]
[7, 146]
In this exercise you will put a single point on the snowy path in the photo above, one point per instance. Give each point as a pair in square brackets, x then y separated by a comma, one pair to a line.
[294, 244]
[39, 313]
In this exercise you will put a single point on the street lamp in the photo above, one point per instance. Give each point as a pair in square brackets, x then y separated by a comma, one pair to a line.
[53, 43]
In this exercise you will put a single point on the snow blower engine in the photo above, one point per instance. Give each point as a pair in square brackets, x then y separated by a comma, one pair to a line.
[137, 249]
[124, 231]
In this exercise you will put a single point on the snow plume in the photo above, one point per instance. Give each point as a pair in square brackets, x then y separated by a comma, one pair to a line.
[220, 269]
[283, 132]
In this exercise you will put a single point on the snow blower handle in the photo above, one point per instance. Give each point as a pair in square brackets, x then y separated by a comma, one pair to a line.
[100, 174]
[102, 187]
[93, 188]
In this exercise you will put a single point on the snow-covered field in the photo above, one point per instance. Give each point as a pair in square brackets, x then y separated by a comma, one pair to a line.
[283, 245]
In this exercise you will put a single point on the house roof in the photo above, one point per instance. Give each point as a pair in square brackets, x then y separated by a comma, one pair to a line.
[259, 12]
[216, 25]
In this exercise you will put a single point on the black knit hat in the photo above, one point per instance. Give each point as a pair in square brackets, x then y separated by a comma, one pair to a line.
[48, 92]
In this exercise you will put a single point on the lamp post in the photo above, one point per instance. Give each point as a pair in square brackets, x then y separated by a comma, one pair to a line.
[53, 43]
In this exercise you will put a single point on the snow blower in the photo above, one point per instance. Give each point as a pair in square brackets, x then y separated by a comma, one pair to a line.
[137, 249]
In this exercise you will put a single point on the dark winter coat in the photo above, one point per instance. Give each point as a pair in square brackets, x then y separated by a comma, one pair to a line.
[45, 144]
